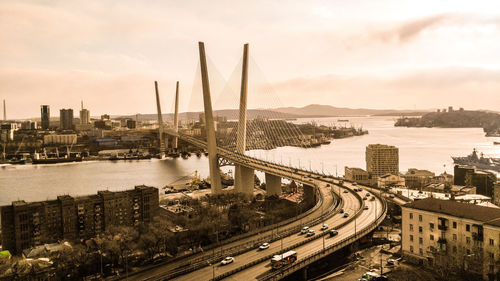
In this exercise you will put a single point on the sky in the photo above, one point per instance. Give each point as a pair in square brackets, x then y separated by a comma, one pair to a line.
[360, 54]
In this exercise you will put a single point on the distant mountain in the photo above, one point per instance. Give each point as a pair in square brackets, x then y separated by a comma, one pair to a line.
[327, 110]
[230, 114]
[309, 111]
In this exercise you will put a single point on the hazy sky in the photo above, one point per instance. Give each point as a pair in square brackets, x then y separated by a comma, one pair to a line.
[371, 54]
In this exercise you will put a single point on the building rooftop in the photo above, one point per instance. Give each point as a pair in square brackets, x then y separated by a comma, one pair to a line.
[486, 215]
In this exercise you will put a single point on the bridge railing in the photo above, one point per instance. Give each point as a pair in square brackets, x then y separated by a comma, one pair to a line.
[195, 265]
[305, 241]
[277, 275]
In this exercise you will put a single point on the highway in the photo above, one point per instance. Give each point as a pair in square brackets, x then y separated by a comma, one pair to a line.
[351, 205]
[159, 272]
[208, 266]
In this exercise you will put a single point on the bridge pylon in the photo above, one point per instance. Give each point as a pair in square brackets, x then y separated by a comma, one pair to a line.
[244, 177]
[176, 117]
[162, 141]
[215, 180]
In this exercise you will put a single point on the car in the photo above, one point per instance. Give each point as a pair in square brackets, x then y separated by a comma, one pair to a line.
[264, 246]
[367, 194]
[390, 261]
[333, 232]
[372, 198]
[310, 233]
[327, 185]
[324, 226]
[360, 189]
[357, 189]
[227, 260]
[392, 196]
[355, 183]
[342, 211]
[346, 215]
[346, 191]
[366, 207]
[305, 229]
[364, 198]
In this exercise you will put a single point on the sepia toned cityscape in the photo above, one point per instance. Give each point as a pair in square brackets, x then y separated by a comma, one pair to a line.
[250, 140]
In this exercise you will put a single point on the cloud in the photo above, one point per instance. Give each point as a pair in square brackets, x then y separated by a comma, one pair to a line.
[428, 88]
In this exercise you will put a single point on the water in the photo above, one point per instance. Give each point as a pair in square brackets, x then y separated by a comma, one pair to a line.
[422, 148]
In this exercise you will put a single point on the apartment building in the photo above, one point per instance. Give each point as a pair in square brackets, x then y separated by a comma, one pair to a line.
[454, 235]
[382, 159]
[25, 225]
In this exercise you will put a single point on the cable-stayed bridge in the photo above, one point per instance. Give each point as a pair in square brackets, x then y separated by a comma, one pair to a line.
[250, 264]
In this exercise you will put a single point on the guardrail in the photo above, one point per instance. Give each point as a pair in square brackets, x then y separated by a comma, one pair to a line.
[206, 260]
[328, 250]
[250, 264]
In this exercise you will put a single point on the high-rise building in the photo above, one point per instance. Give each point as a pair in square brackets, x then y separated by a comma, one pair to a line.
[66, 119]
[45, 112]
[29, 224]
[382, 159]
[84, 116]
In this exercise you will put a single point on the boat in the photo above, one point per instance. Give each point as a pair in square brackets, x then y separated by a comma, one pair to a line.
[343, 120]
[480, 162]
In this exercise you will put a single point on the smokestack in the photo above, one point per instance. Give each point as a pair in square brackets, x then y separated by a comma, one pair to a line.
[82, 104]
[4, 111]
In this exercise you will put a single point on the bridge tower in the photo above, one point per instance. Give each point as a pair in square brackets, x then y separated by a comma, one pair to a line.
[162, 143]
[176, 116]
[244, 177]
[215, 181]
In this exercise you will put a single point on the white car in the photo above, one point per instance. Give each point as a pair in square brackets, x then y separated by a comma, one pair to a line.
[264, 246]
[366, 207]
[227, 260]
[324, 226]
[310, 233]
[305, 229]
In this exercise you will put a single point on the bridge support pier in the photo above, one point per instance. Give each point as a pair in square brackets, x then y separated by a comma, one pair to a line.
[244, 180]
[215, 181]
[304, 273]
[273, 185]
[309, 194]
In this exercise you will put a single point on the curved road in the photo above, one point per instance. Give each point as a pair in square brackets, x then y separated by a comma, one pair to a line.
[351, 205]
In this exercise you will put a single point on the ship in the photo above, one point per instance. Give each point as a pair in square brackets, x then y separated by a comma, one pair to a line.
[480, 162]
[45, 159]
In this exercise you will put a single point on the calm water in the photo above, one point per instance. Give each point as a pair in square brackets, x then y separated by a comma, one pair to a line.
[423, 148]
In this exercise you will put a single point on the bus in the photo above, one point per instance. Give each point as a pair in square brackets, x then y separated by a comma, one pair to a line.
[287, 258]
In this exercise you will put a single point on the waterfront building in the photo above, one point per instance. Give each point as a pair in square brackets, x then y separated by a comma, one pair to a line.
[459, 172]
[390, 180]
[26, 225]
[84, 116]
[416, 178]
[356, 175]
[66, 119]
[45, 116]
[28, 125]
[452, 236]
[59, 139]
[382, 159]
[470, 176]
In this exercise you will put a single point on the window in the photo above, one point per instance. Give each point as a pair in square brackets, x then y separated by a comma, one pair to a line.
[454, 224]
[411, 249]
[420, 240]
[467, 227]
[432, 237]
[420, 251]
[411, 238]
[492, 242]
[454, 237]
[420, 229]
[468, 252]
[411, 216]
[492, 268]
[419, 217]
[454, 249]
[491, 255]
[411, 227]
[431, 225]
[467, 240]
